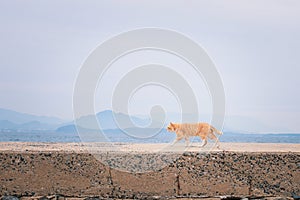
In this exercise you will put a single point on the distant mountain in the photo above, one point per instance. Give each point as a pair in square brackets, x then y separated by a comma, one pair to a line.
[66, 129]
[72, 129]
[92, 135]
[29, 126]
[12, 120]
[5, 124]
[107, 122]
[237, 124]
[36, 125]
[21, 118]
[106, 119]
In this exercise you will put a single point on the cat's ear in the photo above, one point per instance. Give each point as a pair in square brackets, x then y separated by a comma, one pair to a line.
[171, 124]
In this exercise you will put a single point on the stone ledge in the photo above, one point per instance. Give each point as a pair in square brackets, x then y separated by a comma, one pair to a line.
[80, 175]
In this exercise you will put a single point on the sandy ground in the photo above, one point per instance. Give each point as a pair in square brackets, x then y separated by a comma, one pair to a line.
[147, 148]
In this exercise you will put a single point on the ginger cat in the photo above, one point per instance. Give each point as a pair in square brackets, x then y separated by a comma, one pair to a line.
[203, 130]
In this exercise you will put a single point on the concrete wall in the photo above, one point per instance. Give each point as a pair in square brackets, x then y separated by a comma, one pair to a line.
[215, 174]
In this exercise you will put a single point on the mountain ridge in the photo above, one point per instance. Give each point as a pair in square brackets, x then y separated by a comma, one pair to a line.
[13, 120]
[21, 118]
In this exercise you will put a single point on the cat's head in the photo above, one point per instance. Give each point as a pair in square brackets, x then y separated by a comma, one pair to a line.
[171, 127]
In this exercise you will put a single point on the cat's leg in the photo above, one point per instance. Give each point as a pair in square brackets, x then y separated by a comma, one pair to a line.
[204, 142]
[218, 143]
[176, 140]
[187, 141]
[212, 136]
[203, 138]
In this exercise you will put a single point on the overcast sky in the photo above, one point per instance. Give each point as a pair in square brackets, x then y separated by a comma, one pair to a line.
[254, 44]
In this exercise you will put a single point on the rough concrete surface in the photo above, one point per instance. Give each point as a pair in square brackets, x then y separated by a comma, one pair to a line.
[66, 174]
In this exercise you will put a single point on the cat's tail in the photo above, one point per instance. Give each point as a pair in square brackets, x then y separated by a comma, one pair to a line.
[216, 130]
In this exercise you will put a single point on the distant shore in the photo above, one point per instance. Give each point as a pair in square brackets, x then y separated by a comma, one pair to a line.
[149, 148]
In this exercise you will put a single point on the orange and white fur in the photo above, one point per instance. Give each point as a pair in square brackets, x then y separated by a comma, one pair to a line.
[203, 130]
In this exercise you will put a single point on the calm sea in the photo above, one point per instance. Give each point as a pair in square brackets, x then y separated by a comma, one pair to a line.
[161, 137]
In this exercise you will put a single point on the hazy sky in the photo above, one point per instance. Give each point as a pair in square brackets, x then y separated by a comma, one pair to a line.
[254, 44]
